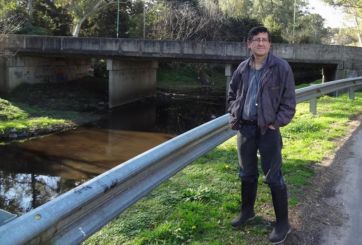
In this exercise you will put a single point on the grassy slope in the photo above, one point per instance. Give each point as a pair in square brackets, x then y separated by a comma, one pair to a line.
[43, 108]
[185, 77]
[17, 118]
[196, 205]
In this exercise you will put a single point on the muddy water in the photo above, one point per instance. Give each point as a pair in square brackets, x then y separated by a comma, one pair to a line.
[33, 172]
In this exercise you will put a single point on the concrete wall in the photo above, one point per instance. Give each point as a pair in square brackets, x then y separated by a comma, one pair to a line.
[23, 69]
[130, 80]
[3, 77]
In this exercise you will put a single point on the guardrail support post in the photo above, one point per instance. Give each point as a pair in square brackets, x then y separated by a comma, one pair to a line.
[313, 106]
[351, 93]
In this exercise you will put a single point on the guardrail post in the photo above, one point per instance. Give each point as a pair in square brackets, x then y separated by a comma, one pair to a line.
[351, 93]
[313, 106]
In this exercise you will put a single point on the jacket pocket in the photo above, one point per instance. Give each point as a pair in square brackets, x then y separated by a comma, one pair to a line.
[235, 113]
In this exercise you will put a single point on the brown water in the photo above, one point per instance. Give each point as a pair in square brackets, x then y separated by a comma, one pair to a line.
[33, 172]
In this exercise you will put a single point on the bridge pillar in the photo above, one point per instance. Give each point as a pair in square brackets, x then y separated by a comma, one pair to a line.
[16, 70]
[228, 75]
[347, 69]
[328, 73]
[130, 80]
[3, 76]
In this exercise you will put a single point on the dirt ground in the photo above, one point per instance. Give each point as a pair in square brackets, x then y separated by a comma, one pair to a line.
[317, 211]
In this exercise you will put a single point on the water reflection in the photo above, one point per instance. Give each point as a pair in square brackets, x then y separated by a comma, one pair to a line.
[74, 156]
[21, 192]
[33, 172]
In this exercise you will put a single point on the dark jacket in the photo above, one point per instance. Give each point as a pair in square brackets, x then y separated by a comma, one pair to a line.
[275, 99]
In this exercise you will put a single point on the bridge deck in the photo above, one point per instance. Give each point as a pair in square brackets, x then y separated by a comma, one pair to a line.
[173, 50]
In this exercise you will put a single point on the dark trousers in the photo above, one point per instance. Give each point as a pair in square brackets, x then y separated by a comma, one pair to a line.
[269, 145]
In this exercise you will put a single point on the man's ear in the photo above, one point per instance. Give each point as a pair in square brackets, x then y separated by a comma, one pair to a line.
[248, 43]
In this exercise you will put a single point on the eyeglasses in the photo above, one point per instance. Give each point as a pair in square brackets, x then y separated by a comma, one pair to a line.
[262, 40]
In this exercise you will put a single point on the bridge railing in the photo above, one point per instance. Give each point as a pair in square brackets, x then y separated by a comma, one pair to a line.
[77, 214]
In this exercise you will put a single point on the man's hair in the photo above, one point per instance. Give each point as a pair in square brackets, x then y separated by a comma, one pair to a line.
[256, 30]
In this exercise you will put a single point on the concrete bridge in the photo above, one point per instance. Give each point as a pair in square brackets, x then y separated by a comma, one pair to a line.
[132, 64]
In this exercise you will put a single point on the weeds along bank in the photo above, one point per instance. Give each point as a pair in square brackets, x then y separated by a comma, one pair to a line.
[20, 121]
[196, 205]
[16, 122]
[39, 109]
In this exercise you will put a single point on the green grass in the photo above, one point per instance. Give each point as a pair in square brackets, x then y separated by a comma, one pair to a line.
[185, 77]
[196, 205]
[15, 119]
[37, 109]
[303, 85]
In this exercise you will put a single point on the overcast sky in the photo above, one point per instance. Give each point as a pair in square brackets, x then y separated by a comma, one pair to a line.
[333, 17]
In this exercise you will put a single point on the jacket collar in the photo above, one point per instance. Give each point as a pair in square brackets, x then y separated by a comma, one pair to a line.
[269, 61]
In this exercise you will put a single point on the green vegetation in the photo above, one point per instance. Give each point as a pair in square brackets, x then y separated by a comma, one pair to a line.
[302, 85]
[16, 121]
[198, 20]
[186, 77]
[196, 205]
[50, 108]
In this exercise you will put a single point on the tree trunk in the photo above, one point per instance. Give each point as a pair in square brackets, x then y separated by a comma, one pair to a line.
[77, 28]
[358, 28]
[30, 8]
[78, 24]
[359, 35]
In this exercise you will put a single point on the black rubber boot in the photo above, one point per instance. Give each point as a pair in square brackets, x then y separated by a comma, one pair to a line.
[248, 195]
[282, 227]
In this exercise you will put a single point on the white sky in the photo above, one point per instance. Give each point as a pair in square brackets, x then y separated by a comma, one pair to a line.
[334, 17]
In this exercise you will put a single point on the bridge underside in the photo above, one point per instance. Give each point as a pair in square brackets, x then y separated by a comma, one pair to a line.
[16, 70]
[132, 80]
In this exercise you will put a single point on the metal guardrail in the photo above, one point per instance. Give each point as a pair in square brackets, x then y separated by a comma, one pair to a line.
[77, 214]
[317, 90]
[6, 217]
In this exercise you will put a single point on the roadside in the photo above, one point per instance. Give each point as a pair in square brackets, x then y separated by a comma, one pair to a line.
[348, 196]
[330, 211]
[196, 205]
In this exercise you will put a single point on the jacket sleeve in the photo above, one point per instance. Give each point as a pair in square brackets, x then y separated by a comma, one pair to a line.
[232, 90]
[287, 104]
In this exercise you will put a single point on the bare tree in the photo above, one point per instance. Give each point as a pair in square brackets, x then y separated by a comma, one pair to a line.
[8, 25]
[185, 22]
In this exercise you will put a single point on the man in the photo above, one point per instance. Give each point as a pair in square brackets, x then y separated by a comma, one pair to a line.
[262, 99]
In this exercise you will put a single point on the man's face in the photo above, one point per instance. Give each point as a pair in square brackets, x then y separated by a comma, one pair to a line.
[260, 45]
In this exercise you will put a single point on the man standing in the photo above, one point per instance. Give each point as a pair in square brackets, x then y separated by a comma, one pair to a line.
[261, 99]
